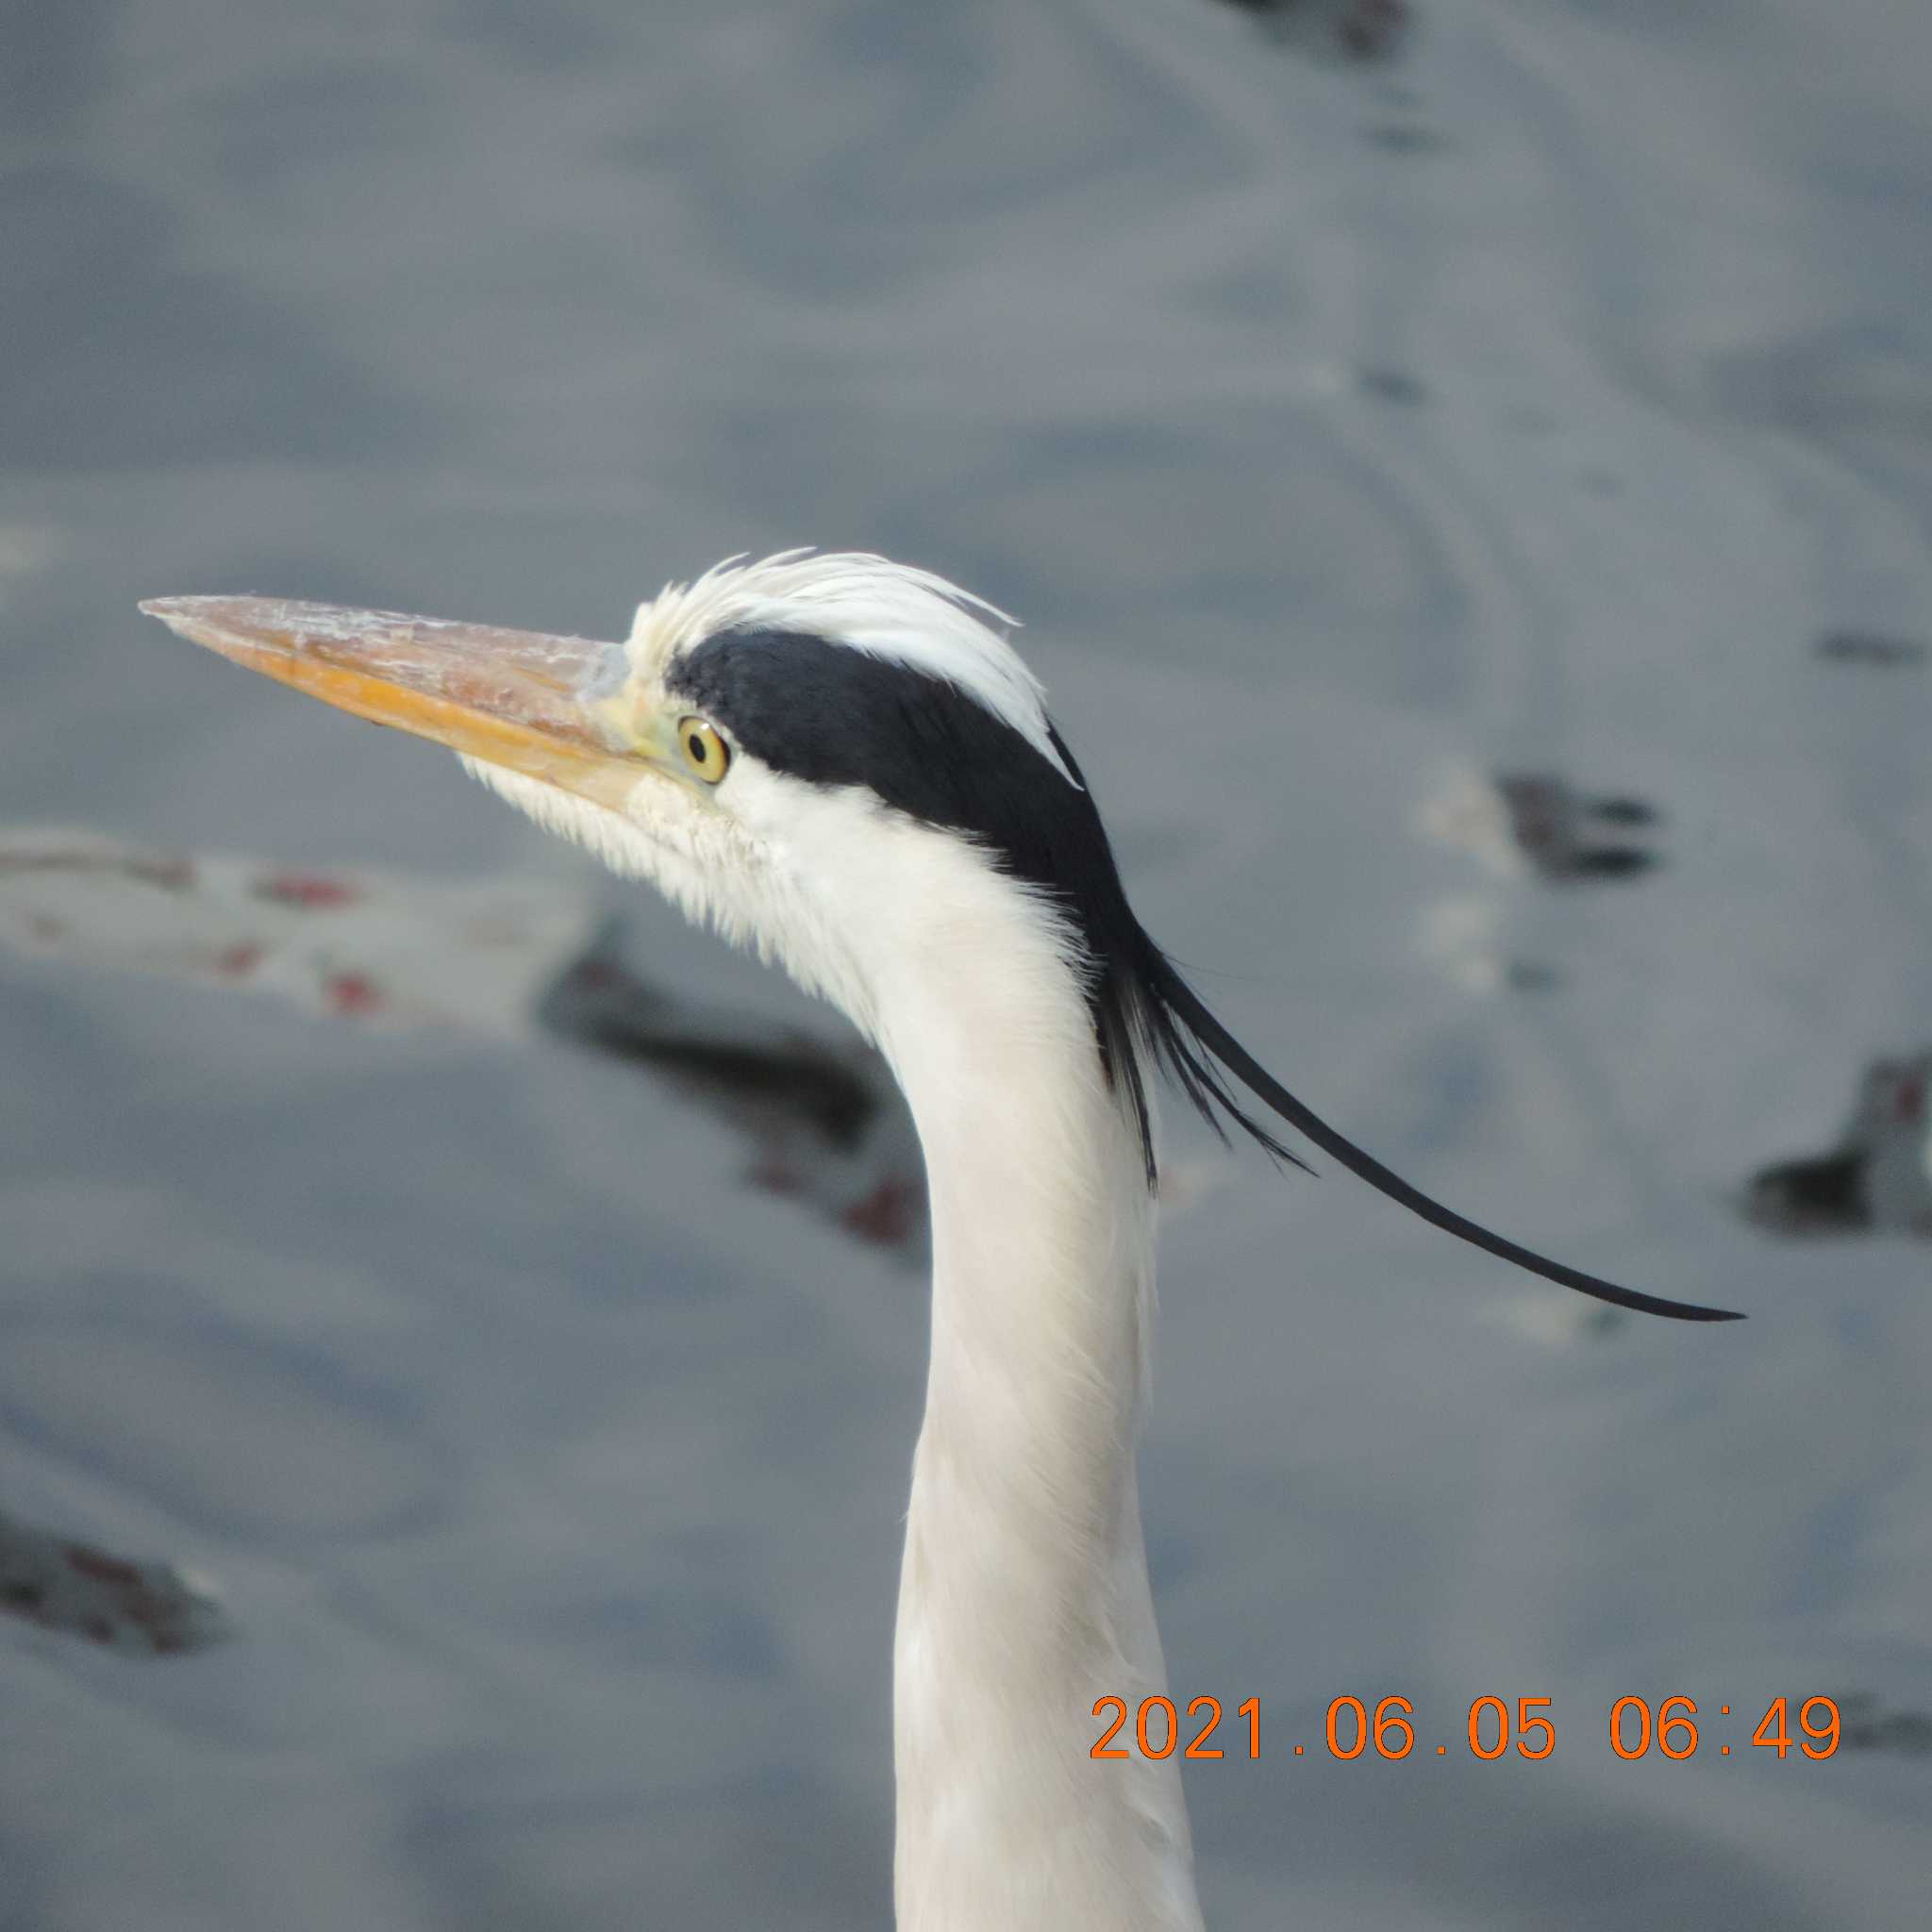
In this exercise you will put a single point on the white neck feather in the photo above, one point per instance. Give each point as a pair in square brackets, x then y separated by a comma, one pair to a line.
[1023, 1596]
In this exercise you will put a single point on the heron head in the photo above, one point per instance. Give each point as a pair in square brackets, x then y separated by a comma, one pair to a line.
[836, 759]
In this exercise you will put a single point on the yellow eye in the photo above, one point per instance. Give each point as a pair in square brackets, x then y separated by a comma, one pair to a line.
[704, 751]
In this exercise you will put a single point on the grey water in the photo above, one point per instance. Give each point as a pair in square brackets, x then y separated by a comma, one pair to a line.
[1544, 390]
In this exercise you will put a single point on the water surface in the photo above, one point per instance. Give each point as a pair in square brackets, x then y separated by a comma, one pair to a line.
[1543, 400]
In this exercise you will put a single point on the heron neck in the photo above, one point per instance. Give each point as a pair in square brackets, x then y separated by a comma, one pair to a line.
[1023, 1596]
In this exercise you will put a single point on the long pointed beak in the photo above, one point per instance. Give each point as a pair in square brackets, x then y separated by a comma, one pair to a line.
[534, 704]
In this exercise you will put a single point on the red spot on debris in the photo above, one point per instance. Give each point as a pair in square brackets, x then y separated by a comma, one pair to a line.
[595, 976]
[238, 962]
[352, 994]
[99, 1629]
[101, 1567]
[887, 1215]
[307, 889]
[1909, 1103]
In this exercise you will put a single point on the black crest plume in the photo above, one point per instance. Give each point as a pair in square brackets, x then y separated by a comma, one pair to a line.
[826, 713]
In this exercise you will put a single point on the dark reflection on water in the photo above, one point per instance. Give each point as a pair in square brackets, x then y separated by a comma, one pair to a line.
[1350, 29]
[1879, 1175]
[1554, 401]
[1865, 647]
[1868, 1725]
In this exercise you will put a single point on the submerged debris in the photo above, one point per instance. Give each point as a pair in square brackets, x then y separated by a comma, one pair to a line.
[145, 1610]
[1536, 820]
[825, 1118]
[1566, 835]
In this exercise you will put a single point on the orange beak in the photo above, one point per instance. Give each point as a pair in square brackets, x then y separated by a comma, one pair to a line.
[534, 704]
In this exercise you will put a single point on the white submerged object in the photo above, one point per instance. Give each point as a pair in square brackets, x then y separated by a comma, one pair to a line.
[836, 760]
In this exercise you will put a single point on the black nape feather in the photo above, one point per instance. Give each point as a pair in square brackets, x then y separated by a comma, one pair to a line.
[1186, 1016]
[831, 715]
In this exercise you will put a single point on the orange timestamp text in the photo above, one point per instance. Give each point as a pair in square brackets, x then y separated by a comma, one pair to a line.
[1492, 1727]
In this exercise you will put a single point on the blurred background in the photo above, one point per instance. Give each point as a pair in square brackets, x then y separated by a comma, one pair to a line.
[1466, 470]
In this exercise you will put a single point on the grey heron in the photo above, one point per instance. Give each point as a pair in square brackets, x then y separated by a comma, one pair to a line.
[843, 763]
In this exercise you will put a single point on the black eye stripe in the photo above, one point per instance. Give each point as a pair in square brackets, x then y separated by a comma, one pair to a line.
[829, 715]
